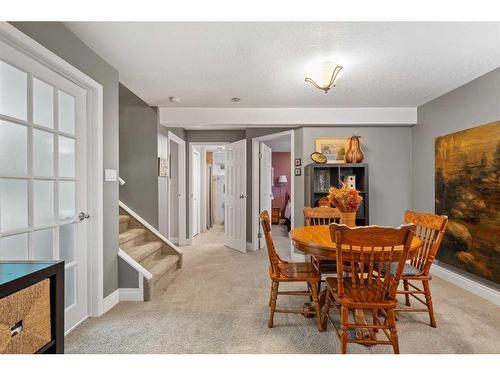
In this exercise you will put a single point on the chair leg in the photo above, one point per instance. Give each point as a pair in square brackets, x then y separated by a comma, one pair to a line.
[428, 299]
[407, 295]
[344, 320]
[375, 319]
[274, 297]
[393, 330]
[271, 295]
[317, 308]
[326, 309]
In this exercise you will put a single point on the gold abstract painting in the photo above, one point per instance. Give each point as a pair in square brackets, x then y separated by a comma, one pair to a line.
[468, 191]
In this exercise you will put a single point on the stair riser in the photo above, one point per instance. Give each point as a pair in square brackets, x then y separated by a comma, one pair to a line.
[161, 284]
[123, 226]
[133, 242]
[151, 260]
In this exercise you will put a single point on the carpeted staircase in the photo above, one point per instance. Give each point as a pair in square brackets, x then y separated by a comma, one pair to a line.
[151, 252]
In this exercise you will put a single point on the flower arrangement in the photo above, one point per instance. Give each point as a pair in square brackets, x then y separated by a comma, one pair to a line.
[346, 199]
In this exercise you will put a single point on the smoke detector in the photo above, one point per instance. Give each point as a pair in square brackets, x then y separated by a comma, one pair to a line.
[235, 99]
[174, 99]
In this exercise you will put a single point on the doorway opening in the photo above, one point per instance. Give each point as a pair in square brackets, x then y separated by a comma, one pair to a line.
[207, 189]
[272, 175]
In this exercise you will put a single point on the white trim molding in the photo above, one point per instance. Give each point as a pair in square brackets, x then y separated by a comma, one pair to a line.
[131, 294]
[111, 300]
[466, 283]
[134, 264]
[211, 118]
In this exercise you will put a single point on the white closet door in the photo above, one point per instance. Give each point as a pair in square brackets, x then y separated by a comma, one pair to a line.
[43, 172]
[235, 196]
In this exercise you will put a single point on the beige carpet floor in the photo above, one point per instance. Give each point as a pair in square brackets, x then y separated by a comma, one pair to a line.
[218, 304]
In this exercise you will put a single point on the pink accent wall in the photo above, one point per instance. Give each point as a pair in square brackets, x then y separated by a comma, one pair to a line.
[281, 164]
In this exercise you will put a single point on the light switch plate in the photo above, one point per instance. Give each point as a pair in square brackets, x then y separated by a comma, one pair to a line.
[110, 175]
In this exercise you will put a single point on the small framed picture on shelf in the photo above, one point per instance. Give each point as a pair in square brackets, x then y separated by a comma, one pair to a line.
[298, 171]
[333, 148]
[298, 162]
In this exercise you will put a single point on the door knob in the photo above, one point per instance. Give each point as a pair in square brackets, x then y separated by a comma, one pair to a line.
[243, 196]
[82, 216]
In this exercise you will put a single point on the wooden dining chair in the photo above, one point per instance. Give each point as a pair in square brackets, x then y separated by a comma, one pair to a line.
[322, 216]
[430, 229]
[281, 271]
[360, 284]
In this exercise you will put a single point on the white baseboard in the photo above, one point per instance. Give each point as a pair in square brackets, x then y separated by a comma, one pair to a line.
[111, 301]
[250, 247]
[131, 294]
[463, 282]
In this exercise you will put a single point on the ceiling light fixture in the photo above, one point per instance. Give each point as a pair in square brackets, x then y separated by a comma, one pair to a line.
[327, 75]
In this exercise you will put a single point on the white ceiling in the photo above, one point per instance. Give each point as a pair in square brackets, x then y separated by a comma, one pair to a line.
[280, 144]
[205, 64]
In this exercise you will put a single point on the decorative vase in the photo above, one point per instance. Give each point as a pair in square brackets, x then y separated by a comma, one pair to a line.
[348, 218]
[354, 152]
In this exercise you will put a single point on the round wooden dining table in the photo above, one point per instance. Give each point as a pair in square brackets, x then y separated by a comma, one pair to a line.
[316, 240]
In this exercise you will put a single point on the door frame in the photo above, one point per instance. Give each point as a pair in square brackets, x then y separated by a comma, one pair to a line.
[32, 49]
[190, 184]
[192, 196]
[254, 245]
[181, 143]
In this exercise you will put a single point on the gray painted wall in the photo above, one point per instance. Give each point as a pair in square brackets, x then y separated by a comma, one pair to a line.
[138, 155]
[473, 104]
[57, 38]
[388, 154]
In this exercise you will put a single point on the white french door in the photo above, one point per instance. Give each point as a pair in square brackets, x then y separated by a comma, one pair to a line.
[43, 172]
[265, 179]
[235, 196]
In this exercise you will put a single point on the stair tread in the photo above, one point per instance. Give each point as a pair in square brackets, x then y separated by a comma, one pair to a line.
[123, 218]
[130, 234]
[163, 265]
[138, 253]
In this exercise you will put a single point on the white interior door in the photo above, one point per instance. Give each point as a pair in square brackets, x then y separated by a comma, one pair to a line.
[43, 172]
[235, 196]
[196, 193]
[177, 189]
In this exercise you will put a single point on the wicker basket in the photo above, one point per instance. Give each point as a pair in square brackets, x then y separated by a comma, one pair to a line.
[25, 319]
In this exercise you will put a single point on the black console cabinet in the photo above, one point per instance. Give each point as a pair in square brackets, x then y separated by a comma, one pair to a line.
[18, 275]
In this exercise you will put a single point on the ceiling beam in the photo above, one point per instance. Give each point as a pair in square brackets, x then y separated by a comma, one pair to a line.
[213, 118]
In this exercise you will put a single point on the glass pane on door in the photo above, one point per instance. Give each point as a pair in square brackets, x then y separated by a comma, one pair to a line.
[13, 149]
[70, 287]
[43, 103]
[43, 202]
[14, 204]
[66, 157]
[13, 92]
[66, 200]
[67, 242]
[43, 244]
[66, 105]
[43, 153]
[14, 247]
